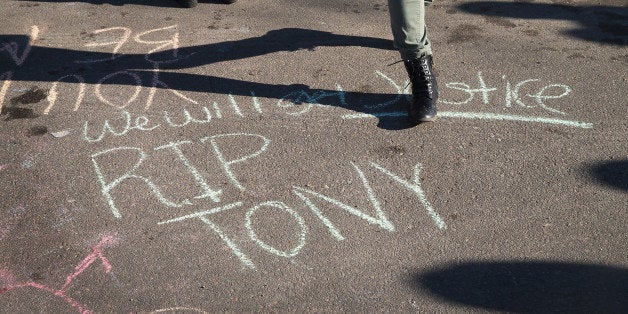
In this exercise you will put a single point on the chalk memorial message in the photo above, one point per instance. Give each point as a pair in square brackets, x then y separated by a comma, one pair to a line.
[456, 93]
[125, 124]
[306, 196]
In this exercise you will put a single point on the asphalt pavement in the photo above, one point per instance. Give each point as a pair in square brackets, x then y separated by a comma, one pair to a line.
[255, 157]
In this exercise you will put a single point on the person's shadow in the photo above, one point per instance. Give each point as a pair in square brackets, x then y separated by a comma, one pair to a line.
[599, 23]
[529, 286]
[154, 3]
[45, 64]
[613, 173]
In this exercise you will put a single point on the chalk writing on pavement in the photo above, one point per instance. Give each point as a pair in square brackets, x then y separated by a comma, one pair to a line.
[455, 94]
[9, 283]
[526, 100]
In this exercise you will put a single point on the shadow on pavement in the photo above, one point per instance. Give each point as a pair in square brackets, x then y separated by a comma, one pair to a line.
[599, 23]
[536, 287]
[154, 3]
[611, 173]
[46, 64]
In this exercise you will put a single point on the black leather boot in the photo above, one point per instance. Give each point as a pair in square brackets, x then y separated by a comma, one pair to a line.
[424, 89]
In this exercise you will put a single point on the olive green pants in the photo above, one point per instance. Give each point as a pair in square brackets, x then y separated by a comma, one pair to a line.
[407, 20]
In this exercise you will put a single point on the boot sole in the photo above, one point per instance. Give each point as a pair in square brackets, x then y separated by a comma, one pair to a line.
[421, 120]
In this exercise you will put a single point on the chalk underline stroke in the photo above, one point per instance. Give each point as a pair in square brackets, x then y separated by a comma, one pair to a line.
[477, 116]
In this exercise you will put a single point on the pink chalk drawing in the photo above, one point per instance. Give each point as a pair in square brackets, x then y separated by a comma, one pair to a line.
[9, 283]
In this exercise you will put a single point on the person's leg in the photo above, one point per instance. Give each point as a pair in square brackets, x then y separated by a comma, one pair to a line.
[407, 20]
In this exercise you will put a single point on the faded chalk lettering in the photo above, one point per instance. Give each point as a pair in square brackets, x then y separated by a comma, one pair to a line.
[137, 80]
[107, 187]
[227, 164]
[95, 255]
[53, 93]
[172, 42]
[461, 87]
[540, 96]
[214, 195]
[156, 82]
[515, 92]
[6, 77]
[380, 220]
[477, 116]
[516, 118]
[141, 123]
[235, 106]
[330, 226]
[415, 187]
[188, 118]
[511, 94]
[201, 216]
[397, 88]
[217, 110]
[107, 128]
[296, 99]
[269, 248]
[303, 99]
[126, 33]
[256, 104]
[484, 90]
[508, 94]
[12, 47]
